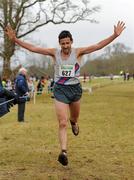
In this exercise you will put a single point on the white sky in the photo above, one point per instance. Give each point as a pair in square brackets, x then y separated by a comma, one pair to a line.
[86, 33]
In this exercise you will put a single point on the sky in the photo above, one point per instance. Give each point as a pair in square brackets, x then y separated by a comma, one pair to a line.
[86, 33]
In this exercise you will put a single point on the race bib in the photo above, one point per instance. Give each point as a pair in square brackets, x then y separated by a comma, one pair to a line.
[67, 70]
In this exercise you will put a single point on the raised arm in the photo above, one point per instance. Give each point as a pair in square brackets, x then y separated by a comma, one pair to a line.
[117, 31]
[45, 51]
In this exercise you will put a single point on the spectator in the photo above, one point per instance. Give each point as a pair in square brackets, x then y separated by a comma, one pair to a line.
[21, 88]
[31, 87]
[9, 85]
[84, 77]
[127, 76]
[51, 87]
[7, 100]
[40, 85]
[4, 82]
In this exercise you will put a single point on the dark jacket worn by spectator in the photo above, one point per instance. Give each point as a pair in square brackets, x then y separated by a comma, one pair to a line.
[7, 100]
[21, 88]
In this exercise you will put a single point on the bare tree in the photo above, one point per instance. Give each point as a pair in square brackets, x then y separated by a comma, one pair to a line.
[25, 16]
[120, 49]
[115, 50]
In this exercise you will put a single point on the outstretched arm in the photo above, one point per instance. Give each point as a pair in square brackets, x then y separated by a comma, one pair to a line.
[45, 51]
[117, 31]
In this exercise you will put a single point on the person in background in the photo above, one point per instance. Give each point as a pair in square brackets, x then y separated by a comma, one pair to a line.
[4, 83]
[41, 85]
[21, 89]
[7, 99]
[9, 84]
[51, 87]
[31, 87]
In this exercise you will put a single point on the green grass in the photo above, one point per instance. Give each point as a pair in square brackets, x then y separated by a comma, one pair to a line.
[104, 149]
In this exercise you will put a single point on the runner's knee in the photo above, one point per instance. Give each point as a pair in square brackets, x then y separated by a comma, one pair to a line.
[63, 123]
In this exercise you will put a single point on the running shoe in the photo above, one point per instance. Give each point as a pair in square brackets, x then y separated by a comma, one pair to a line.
[63, 158]
[75, 128]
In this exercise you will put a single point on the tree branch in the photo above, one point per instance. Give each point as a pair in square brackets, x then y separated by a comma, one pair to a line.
[32, 22]
[36, 1]
[1, 55]
[10, 13]
[60, 14]
[1, 24]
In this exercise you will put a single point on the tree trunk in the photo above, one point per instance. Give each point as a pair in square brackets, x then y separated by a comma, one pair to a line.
[6, 68]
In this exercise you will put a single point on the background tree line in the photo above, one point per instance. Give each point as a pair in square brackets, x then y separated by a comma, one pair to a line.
[115, 58]
[112, 65]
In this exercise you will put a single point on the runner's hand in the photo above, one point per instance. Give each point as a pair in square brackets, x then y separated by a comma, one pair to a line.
[119, 28]
[10, 32]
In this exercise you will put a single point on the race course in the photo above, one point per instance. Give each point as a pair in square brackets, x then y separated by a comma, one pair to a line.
[104, 149]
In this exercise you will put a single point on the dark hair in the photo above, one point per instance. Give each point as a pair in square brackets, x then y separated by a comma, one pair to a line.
[65, 34]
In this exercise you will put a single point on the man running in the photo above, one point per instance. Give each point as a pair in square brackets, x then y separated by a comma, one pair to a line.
[67, 88]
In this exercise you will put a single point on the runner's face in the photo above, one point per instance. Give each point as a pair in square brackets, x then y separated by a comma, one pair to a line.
[65, 44]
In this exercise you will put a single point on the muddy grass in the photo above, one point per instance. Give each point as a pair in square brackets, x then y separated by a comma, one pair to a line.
[104, 149]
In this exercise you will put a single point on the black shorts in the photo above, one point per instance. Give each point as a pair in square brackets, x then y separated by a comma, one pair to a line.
[67, 93]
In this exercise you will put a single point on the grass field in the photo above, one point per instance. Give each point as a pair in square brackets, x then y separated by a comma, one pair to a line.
[104, 149]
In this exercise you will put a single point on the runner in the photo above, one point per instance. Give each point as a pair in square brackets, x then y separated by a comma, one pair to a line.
[67, 88]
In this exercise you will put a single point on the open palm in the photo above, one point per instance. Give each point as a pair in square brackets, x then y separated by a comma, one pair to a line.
[119, 28]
